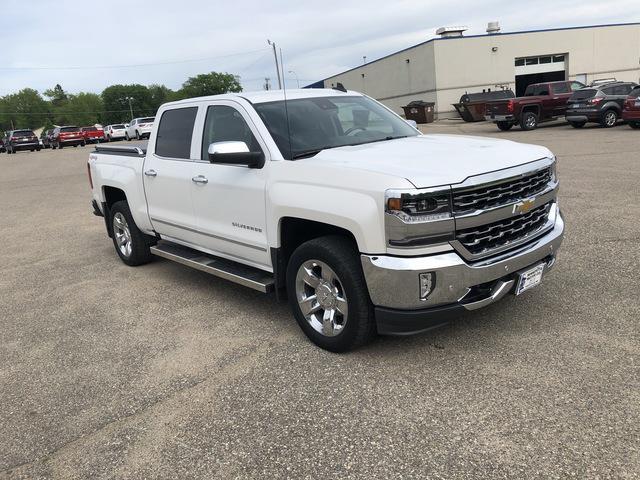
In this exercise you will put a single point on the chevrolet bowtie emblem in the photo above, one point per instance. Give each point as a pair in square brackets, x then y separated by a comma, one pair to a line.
[524, 206]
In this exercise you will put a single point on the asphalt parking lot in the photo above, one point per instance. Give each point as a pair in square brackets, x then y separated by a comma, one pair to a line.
[160, 371]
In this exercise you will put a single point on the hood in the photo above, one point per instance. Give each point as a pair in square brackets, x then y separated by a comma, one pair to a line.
[433, 160]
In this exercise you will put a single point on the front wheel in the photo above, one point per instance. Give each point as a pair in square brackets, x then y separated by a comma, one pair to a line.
[328, 294]
[504, 126]
[126, 137]
[529, 121]
[138, 135]
[131, 244]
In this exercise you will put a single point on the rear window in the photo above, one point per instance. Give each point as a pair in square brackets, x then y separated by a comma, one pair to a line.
[117, 127]
[146, 120]
[535, 90]
[69, 129]
[23, 133]
[89, 129]
[635, 93]
[583, 94]
[173, 138]
[561, 88]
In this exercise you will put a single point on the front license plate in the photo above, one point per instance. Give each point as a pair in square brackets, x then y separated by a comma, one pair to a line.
[530, 278]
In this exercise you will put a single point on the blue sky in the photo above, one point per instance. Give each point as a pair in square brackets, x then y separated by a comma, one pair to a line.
[318, 39]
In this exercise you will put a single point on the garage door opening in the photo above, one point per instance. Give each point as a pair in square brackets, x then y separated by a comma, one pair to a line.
[544, 68]
[523, 81]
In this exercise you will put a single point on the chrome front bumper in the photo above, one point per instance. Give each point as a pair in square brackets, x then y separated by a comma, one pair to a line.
[393, 282]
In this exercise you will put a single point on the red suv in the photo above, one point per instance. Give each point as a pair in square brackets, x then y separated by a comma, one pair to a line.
[66, 137]
[631, 111]
[92, 134]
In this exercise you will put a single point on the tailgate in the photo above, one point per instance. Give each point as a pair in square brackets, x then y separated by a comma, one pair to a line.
[498, 108]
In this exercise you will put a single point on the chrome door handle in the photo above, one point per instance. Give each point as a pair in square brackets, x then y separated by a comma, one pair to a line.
[201, 179]
[151, 173]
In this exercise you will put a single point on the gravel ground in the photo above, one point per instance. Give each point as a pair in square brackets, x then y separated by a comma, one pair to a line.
[160, 371]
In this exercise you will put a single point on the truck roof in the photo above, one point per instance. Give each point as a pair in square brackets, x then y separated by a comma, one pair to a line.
[272, 95]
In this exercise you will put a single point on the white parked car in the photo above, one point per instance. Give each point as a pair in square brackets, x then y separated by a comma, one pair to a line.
[140, 128]
[366, 224]
[115, 132]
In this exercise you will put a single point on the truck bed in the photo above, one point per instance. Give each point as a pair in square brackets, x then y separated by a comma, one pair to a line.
[126, 151]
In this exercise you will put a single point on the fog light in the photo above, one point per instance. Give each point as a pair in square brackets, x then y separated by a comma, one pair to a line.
[427, 284]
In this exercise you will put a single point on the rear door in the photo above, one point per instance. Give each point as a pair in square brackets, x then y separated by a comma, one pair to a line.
[229, 200]
[167, 173]
[560, 94]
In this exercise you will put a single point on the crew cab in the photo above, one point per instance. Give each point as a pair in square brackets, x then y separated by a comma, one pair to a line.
[329, 197]
[68, 136]
[139, 128]
[631, 111]
[16, 140]
[92, 134]
[541, 102]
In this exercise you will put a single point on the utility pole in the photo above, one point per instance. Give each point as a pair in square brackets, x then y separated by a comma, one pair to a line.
[130, 107]
[267, 83]
[275, 55]
[296, 75]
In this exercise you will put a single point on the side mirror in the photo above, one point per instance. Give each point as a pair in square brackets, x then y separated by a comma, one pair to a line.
[235, 153]
[412, 123]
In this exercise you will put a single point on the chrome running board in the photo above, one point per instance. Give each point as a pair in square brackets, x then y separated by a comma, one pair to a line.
[220, 267]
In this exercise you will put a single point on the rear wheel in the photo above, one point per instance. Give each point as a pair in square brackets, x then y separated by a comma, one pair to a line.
[328, 294]
[504, 126]
[529, 121]
[126, 136]
[137, 135]
[609, 118]
[578, 124]
[131, 244]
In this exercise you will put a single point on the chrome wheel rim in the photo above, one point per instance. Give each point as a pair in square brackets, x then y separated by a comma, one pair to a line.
[531, 121]
[321, 298]
[122, 234]
[610, 119]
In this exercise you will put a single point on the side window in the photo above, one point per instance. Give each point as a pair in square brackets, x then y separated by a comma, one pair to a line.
[173, 139]
[561, 88]
[622, 90]
[576, 86]
[225, 124]
[542, 90]
[608, 90]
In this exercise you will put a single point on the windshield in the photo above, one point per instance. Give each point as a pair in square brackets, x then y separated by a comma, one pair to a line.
[146, 120]
[326, 122]
[23, 133]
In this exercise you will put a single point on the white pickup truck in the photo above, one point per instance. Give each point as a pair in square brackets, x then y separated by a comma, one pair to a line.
[367, 225]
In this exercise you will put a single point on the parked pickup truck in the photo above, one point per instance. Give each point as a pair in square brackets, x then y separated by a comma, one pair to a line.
[367, 225]
[541, 102]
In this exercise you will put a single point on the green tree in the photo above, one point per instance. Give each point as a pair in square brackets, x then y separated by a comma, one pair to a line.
[159, 95]
[25, 109]
[213, 83]
[57, 96]
[81, 110]
[116, 102]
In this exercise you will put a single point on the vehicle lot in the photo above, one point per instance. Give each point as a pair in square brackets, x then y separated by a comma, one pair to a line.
[162, 371]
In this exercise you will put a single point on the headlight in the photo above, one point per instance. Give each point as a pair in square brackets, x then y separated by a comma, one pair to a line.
[415, 218]
[554, 175]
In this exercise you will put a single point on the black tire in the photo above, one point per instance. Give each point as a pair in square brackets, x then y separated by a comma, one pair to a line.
[60, 146]
[140, 243]
[32, 149]
[127, 138]
[138, 137]
[578, 124]
[341, 255]
[609, 118]
[634, 124]
[529, 121]
[504, 126]
[38, 149]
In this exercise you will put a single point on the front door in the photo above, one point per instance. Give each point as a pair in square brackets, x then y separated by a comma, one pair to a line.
[229, 200]
[168, 174]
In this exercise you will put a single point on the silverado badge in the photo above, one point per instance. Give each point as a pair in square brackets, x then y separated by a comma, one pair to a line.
[524, 206]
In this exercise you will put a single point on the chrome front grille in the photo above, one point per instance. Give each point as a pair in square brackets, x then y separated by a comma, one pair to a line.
[500, 193]
[510, 231]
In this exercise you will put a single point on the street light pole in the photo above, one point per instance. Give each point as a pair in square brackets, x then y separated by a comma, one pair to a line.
[296, 75]
[275, 55]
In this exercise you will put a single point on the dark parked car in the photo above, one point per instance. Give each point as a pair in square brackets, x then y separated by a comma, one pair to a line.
[631, 111]
[66, 137]
[45, 138]
[541, 102]
[601, 104]
[16, 140]
[2, 149]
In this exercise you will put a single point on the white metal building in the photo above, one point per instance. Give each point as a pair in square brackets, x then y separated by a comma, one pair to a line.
[442, 69]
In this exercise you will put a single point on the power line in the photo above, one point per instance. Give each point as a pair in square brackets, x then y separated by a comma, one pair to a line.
[76, 113]
[103, 67]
